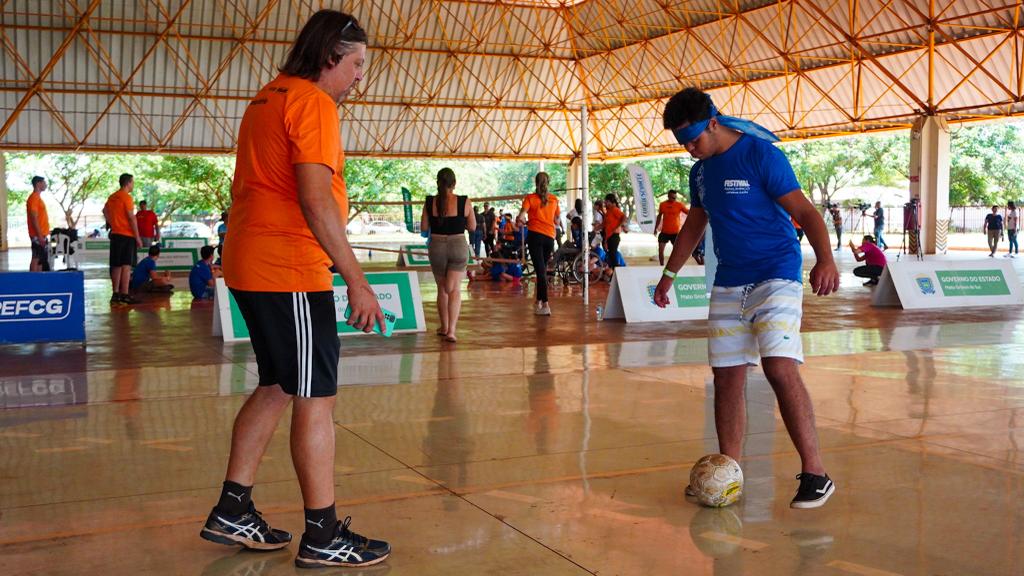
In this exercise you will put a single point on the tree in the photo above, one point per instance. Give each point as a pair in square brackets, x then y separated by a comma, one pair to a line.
[75, 178]
[191, 184]
[827, 166]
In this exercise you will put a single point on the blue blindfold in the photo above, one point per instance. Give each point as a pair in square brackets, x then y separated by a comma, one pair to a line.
[688, 134]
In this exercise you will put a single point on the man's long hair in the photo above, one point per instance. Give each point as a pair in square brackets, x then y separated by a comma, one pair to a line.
[326, 38]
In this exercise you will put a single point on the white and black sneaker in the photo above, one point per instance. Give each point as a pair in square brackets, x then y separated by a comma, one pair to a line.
[249, 530]
[346, 549]
[814, 490]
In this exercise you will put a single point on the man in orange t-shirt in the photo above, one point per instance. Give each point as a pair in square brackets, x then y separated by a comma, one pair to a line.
[38, 226]
[669, 222]
[288, 219]
[614, 224]
[124, 239]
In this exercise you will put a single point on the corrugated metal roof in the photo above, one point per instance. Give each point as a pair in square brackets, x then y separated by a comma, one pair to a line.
[473, 78]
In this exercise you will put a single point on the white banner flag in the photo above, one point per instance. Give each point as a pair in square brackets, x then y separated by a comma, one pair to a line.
[643, 194]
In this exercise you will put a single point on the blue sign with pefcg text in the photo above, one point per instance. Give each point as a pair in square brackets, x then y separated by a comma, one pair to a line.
[42, 307]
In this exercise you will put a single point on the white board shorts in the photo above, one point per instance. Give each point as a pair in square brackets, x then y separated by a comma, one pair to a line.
[754, 321]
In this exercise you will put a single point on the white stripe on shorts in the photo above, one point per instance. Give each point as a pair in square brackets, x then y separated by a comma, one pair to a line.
[303, 343]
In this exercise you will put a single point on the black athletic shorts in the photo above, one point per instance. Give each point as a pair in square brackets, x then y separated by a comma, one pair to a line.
[41, 252]
[667, 239]
[122, 250]
[295, 337]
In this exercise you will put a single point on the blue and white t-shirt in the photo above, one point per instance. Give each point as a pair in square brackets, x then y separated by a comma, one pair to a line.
[754, 237]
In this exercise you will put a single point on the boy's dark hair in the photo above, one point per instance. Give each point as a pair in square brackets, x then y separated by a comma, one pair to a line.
[686, 107]
[674, 191]
[869, 238]
[325, 39]
[37, 180]
[577, 221]
[995, 207]
[609, 197]
[154, 250]
[205, 252]
[125, 179]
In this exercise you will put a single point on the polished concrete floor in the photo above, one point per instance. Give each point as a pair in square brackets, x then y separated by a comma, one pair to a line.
[534, 446]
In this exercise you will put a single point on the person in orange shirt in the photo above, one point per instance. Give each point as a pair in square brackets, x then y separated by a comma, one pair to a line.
[124, 239]
[669, 222]
[614, 224]
[542, 210]
[149, 225]
[38, 226]
[288, 220]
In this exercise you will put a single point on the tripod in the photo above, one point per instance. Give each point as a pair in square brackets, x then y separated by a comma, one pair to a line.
[911, 231]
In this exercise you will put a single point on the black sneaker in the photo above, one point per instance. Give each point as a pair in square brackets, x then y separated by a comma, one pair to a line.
[346, 549]
[129, 300]
[115, 299]
[814, 490]
[249, 530]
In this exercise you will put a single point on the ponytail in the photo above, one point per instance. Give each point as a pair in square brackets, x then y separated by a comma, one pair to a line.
[445, 185]
[541, 181]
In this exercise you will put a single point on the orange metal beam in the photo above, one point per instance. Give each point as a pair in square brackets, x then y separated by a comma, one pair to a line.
[45, 72]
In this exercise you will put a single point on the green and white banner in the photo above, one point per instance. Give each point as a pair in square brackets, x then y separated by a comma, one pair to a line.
[948, 284]
[171, 242]
[173, 259]
[92, 245]
[415, 256]
[631, 295]
[398, 292]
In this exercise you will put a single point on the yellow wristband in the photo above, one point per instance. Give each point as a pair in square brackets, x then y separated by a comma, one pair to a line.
[668, 273]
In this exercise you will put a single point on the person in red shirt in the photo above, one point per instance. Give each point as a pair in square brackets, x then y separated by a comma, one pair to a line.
[38, 226]
[614, 224]
[669, 222]
[288, 222]
[124, 239]
[149, 225]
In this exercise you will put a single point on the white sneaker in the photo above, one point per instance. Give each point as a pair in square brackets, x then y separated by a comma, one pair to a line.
[1007, 255]
[544, 310]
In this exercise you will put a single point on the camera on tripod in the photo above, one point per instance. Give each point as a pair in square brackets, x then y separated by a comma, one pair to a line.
[863, 207]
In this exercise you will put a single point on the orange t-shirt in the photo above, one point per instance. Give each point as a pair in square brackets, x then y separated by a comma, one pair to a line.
[270, 247]
[613, 218]
[119, 205]
[542, 218]
[672, 216]
[35, 204]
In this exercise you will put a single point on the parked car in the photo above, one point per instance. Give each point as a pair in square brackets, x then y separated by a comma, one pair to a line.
[382, 227]
[187, 230]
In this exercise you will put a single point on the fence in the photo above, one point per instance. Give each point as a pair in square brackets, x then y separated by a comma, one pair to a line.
[962, 219]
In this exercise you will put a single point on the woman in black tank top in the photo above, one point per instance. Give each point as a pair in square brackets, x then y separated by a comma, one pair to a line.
[448, 217]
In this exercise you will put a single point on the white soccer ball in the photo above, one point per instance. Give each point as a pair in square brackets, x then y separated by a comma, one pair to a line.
[717, 480]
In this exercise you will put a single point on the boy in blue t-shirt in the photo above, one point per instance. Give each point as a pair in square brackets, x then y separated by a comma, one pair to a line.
[145, 278]
[201, 279]
[746, 188]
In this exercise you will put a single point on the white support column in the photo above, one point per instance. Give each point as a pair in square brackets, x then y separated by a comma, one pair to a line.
[3, 203]
[929, 180]
[573, 177]
[588, 208]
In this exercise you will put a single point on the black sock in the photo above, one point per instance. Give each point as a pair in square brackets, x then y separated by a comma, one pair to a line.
[320, 524]
[234, 498]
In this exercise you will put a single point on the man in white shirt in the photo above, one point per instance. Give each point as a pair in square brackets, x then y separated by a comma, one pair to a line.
[1012, 226]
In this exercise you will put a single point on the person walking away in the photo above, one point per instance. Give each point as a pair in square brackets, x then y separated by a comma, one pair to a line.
[447, 217]
[542, 212]
[993, 227]
[478, 232]
[288, 220]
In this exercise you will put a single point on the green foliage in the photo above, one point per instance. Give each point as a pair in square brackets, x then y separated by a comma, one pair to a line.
[72, 178]
[827, 166]
[198, 185]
